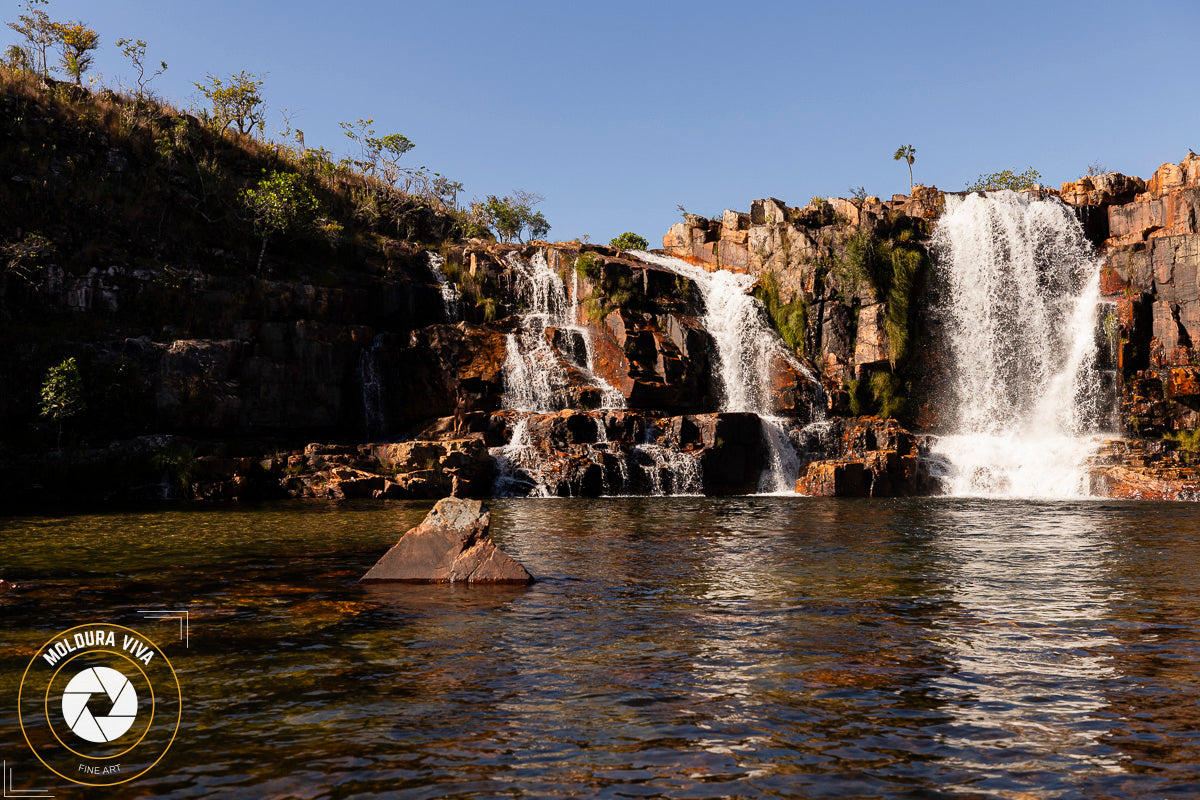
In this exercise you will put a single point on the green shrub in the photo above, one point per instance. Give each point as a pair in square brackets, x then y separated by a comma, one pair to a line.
[1006, 179]
[62, 393]
[887, 390]
[629, 241]
[852, 387]
[588, 266]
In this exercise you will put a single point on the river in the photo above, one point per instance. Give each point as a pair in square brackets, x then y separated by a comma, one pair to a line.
[672, 647]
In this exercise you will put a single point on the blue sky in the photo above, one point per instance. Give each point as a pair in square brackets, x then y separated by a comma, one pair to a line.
[618, 112]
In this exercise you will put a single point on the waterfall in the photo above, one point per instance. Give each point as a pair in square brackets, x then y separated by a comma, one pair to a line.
[1021, 290]
[451, 297]
[536, 376]
[746, 345]
[372, 390]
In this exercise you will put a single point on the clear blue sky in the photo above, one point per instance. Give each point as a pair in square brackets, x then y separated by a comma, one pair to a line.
[617, 112]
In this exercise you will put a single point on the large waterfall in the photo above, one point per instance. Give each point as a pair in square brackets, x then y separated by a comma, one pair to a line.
[1021, 289]
[746, 347]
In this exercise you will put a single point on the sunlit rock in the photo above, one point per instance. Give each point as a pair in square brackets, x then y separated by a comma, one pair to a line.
[451, 545]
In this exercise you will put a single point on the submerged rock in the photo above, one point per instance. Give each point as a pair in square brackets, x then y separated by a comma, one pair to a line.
[450, 545]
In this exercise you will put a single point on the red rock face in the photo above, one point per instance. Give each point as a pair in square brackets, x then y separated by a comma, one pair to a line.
[1151, 271]
[451, 545]
[877, 458]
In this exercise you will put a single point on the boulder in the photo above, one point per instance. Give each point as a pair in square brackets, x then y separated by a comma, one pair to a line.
[834, 479]
[6, 586]
[450, 545]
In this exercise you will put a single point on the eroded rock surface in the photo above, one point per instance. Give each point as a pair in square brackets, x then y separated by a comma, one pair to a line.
[451, 545]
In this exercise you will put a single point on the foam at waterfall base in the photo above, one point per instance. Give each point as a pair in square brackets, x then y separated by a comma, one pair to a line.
[1033, 467]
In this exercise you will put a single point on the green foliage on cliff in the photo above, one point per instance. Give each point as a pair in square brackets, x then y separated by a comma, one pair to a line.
[892, 268]
[906, 265]
[1187, 441]
[789, 319]
[62, 393]
[588, 266]
[887, 390]
[611, 289]
[883, 393]
[280, 203]
[1006, 179]
[629, 241]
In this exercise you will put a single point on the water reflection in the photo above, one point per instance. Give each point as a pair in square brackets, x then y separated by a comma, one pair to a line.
[1028, 646]
[678, 647]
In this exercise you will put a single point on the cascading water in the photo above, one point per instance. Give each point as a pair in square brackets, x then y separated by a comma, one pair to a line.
[1021, 290]
[746, 346]
[451, 297]
[535, 377]
[372, 390]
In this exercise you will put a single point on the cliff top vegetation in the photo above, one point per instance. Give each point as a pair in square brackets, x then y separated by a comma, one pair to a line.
[101, 177]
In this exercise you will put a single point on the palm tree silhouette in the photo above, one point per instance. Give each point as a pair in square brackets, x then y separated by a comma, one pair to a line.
[907, 153]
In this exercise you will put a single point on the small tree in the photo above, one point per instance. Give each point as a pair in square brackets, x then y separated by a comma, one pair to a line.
[17, 58]
[379, 156]
[78, 43]
[135, 51]
[511, 217]
[280, 203]
[239, 103]
[907, 153]
[629, 241]
[62, 394]
[1006, 179]
[39, 30]
[503, 217]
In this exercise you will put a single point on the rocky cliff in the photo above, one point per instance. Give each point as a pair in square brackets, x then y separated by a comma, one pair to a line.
[382, 363]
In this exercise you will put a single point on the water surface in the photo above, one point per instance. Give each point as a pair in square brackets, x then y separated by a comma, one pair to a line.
[673, 647]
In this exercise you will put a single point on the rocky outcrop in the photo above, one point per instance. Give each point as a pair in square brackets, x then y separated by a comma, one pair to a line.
[451, 545]
[1150, 273]
[873, 458]
[1146, 469]
[827, 276]
[575, 453]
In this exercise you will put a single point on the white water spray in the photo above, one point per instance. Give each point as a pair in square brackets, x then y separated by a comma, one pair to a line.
[451, 297]
[746, 346]
[535, 376]
[1022, 290]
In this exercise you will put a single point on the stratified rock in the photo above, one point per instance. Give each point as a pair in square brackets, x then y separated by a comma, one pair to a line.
[1145, 484]
[874, 458]
[450, 545]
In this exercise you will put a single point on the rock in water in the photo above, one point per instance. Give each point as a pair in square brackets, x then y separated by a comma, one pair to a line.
[451, 544]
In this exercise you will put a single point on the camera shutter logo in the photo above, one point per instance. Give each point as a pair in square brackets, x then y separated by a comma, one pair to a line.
[104, 681]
